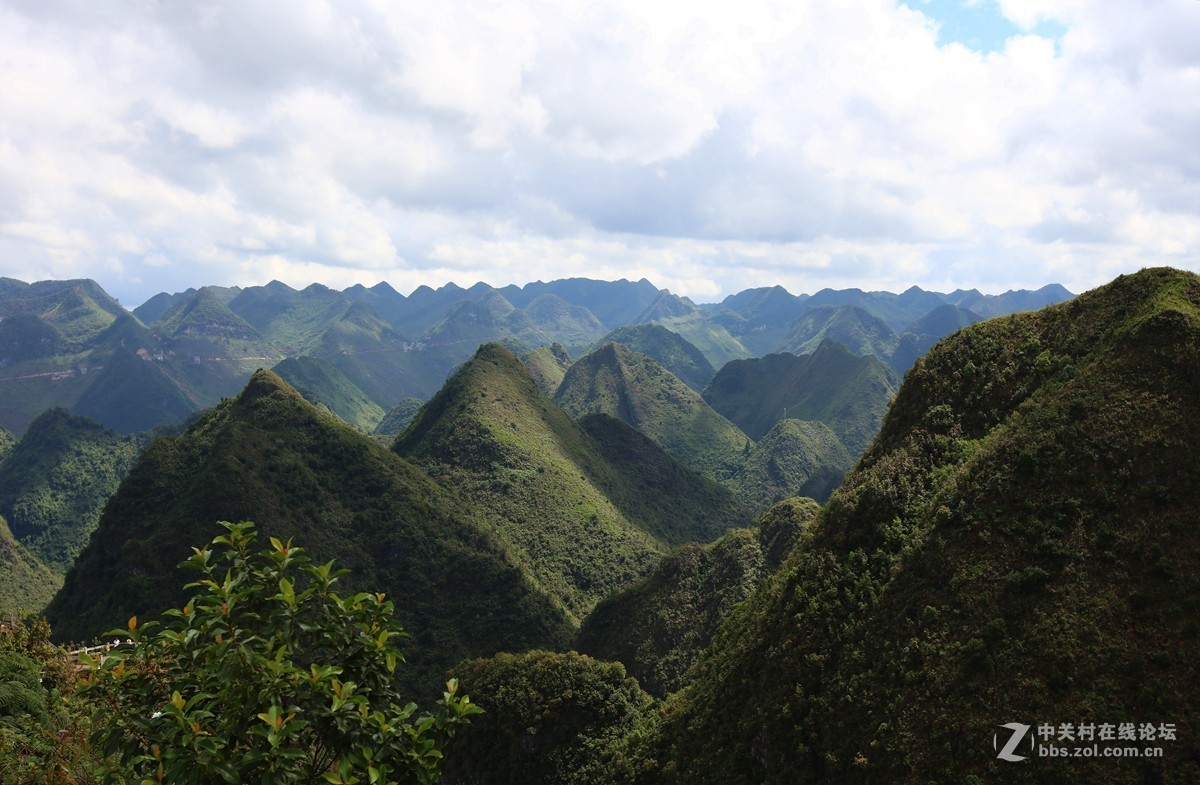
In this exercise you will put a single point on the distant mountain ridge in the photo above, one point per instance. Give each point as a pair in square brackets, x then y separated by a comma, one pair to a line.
[201, 345]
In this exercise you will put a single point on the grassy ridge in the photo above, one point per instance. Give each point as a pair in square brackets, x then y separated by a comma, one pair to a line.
[571, 515]
[632, 387]
[269, 456]
[1019, 544]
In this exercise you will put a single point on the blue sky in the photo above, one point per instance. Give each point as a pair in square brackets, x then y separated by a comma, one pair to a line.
[706, 145]
[981, 25]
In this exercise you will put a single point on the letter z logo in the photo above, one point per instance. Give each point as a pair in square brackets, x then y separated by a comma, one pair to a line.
[1018, 733]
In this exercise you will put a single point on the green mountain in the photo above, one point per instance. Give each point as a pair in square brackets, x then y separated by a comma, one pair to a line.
[271, 457]
[205, 313]
[290, 319]
[323, 385]
[795, 458]
[572, 325]
[472, 323]
[75, 311]
[135, 392]
[669, 349]
[848, 393]
[382, 298]
[7, 442]
[852, 327]
[25, 583]
[683, 317]
[55, 482]
[398, 417]
[581, 523]
[548, 365]
[632, 387]
[920, 336]
[1018, 545]
[614, 303]
[659, 627]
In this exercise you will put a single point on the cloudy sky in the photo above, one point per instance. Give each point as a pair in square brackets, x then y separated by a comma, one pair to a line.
[708, 146]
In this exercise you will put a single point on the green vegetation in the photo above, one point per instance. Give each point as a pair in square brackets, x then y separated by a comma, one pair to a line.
[133, 394]
[669, 349]
[576, 520]
[549, 719]
[55, 482]
[1019, 542]
[632, 387]
[26, 584]
[848, 393]
[323, 385]
[266, 675]
[399, 417]
[548, 365]
[572, 325]
[206, 312]
[43, 724]
[796, 457]
[7, 442]
[659, 627]
[270, 456]
[854, 328]
[922, 334]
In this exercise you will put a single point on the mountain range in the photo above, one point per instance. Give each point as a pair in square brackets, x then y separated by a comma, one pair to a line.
[69, 344]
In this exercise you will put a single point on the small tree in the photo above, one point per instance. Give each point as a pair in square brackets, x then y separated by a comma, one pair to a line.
[267, 676]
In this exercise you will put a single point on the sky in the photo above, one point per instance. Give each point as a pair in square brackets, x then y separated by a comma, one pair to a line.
[156, 145]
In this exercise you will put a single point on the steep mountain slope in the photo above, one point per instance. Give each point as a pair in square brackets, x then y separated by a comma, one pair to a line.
[848, 393]
[206, 312]
[632, 387]
[133, 393]
[55, 482]
[1018, 545]
[323, 385]
[795, 458]
[398, 417]
[548, 365]
[572, 325]
[854, 328]
[683, 317]
[576, 520]
[25, 583]
[614, 303]
[271, 457]
[7, 442]
[383, 299]
[659, 627]
[669, 349]
[922, 334]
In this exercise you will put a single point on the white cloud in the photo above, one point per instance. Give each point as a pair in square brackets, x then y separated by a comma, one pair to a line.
[707, 146]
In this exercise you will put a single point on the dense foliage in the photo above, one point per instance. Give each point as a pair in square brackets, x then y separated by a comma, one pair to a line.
[619, 382]
[1018, 545]
[794, 458]
[44, 724]
[55, 483]
[550, 719]
[325, 386]
[270, 456]
[668, 349]
[266, 675]
[659, 627]
[850, 394]
[582, 523]
[26, 583]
